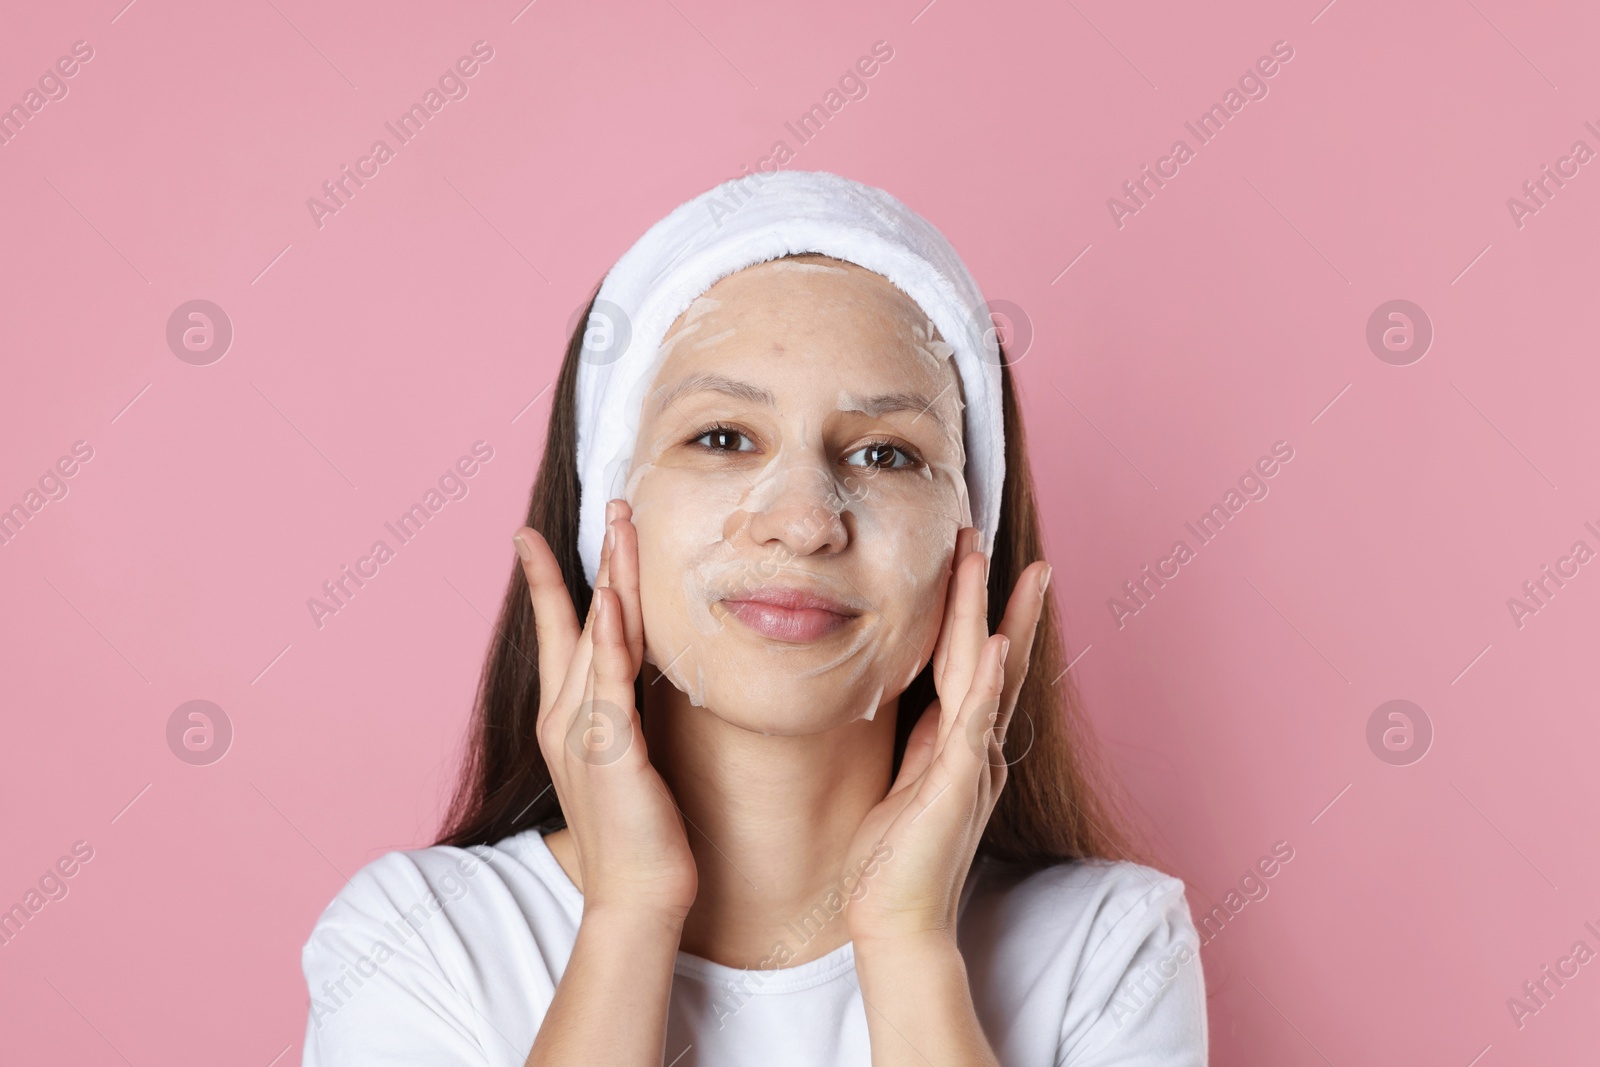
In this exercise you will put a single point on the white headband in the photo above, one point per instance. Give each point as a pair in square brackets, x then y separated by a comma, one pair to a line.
[741, 223]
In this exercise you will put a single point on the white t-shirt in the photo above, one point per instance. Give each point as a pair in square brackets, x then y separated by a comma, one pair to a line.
[442, 956]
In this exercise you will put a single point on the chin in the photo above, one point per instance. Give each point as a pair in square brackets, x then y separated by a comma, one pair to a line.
[785, 690]
[778, 707]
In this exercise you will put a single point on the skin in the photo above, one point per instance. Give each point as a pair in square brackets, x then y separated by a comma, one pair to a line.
[711, 822]
[805, 490]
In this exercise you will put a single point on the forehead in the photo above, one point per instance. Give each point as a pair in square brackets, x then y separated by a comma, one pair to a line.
[811, 325]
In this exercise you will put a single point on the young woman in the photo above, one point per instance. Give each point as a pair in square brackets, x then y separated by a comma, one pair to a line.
[748, 781]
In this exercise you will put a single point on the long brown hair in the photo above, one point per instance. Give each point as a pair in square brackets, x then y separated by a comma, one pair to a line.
[1058, 804]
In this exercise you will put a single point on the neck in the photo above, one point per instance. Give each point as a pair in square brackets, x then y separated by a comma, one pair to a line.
[769, 818]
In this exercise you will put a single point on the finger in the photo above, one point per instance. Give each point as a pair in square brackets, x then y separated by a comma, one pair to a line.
[619, 513]
[962, 761]
[602, 572]
[969, 628]
[624, 581]
[613, 673]
[965, 540]
[555, 623]
[577, 686]
[978, 710]
[1020, 623]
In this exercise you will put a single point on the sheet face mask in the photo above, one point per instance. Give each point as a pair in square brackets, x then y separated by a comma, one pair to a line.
[846, 483]
[742, 524]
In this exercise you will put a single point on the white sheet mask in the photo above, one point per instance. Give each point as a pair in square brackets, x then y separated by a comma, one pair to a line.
[716, 338]
[684, 673]
[811, 268]
[877, 540]
[851, 402]
[724, 567]
[870, 709]
[930, 345]
[674, 340]
[702, 305]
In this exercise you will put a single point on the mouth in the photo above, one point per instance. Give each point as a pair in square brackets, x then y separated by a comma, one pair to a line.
[788, 614]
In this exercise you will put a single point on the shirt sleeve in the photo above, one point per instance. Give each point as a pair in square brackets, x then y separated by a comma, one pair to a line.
[380, 993]
[1139, 998]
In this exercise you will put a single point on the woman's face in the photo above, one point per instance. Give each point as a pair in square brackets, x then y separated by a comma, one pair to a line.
[797, 486]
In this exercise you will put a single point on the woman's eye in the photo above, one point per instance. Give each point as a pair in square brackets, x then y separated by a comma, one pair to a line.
[881, 455]
[723, 440]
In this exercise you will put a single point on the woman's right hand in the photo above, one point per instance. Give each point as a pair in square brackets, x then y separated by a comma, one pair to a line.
[632, 850]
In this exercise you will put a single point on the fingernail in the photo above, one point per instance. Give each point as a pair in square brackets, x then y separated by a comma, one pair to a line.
[611, 511]
[606, 546]
[523, 548]
[1005, 649]
[1044, 579]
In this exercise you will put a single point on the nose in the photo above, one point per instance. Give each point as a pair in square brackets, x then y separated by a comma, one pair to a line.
[799, 510]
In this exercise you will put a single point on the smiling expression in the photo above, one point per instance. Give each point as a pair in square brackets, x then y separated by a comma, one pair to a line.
[797, 486]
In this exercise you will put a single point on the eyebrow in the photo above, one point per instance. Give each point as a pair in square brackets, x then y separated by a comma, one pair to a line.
[874, 406]
[886, 403]
[716, 383]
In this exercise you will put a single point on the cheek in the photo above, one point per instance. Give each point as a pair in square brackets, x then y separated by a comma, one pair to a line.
[910, 565]
[903, 530]
[676, 512]
[680, 517]
[906, 536]
[908, 526]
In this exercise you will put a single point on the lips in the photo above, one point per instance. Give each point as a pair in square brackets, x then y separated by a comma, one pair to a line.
[785, 614]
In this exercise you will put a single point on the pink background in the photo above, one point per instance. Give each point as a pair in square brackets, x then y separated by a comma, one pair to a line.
[430, 313]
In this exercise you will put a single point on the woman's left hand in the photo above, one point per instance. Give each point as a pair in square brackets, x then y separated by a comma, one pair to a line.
[914, 848]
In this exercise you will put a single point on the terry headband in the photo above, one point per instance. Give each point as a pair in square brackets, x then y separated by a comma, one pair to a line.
[733, 226]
